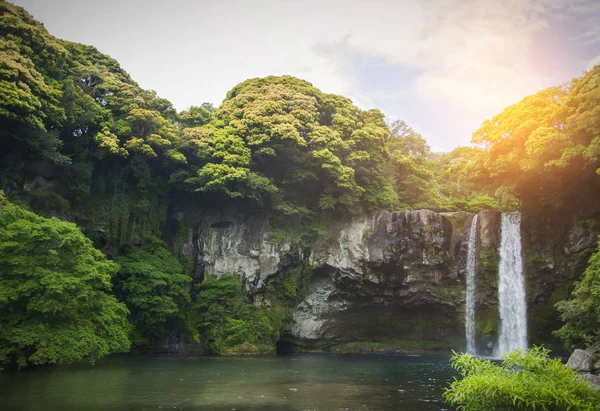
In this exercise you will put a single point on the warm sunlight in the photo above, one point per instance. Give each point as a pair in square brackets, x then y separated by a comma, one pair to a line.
[281, 205]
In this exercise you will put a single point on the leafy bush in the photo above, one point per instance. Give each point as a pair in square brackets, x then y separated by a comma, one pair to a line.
[55, 301]
[524, 381]
[290, 286]
[224, 318]
[151, 282]
[582, 313]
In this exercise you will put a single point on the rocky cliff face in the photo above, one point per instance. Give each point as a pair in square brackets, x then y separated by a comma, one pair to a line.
[396, 278]
[392, 280]
[555, 255]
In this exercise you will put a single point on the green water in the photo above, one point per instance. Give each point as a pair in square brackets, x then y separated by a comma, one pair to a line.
[299, 382]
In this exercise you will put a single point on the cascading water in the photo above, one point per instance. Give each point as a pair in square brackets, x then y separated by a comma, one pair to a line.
[511, 287]
[470, 306]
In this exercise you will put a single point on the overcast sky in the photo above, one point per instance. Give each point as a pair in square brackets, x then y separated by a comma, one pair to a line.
[443, 66]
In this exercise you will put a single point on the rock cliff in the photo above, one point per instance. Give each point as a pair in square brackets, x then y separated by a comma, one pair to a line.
[387, 281]
[393, 279]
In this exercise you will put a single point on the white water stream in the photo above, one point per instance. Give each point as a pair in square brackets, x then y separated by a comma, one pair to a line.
[470, 306]
[511, 287]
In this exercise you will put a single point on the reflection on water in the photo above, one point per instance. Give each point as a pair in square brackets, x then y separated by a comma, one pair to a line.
[300, 382]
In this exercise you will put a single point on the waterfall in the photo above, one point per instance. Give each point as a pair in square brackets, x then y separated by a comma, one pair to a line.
[470, 306]
[511, 287]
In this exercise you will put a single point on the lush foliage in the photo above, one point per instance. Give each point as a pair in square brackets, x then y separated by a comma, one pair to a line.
[277, 143]
[280, 142]
[120, 153]
[226, 320]
[523, 381]
[229, 323]
[152, 285]
[73, 113]
[55, 301]
[413, 168]
[581, 313]
[80, 140]
[530, 154]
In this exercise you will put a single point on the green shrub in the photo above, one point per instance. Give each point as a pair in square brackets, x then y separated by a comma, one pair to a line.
[224, 318]
[152, 284]
[56, 304]
[47, 202]
[289, 286]
[581, 313]
[523, 381]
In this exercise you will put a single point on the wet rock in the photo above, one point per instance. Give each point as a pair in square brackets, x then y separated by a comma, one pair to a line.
[39, 183]
[224, 245]
[580, 237]
[489, 231]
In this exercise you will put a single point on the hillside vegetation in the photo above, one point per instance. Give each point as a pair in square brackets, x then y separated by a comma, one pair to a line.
[80, 141]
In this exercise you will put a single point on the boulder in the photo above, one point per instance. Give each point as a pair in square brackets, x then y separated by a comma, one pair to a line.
[594, 379]
[581, 360]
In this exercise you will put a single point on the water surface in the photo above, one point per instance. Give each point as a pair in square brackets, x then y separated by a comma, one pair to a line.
[298, 382]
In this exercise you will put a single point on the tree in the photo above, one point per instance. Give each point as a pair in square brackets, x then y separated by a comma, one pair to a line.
[196, 116]
[282, 142]
[226, 321]
[29, 98]
[581, 313]
[413, 167]
[152, 285]
[523, 381]
[55, 300]
[533, 151]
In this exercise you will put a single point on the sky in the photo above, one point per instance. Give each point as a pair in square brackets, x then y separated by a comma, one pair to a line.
[443, 66]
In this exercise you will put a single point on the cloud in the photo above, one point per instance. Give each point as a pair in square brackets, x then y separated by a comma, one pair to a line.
[593, 62]
[474, 57]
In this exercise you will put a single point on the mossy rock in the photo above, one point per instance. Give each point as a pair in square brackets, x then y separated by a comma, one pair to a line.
[487, 324]
[487, 279]
[458, 219]
[248, 349]
[289, 286]
[489, 261]
[391, 346]
[543, 318]
[392, 322]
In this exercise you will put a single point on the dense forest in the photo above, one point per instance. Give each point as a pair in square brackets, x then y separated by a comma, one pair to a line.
[92, 167]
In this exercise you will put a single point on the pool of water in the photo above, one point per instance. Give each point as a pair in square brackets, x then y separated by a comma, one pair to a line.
[296, 382]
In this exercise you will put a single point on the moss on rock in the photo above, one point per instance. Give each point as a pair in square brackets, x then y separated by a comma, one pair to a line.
[390, 346]
[248, 349]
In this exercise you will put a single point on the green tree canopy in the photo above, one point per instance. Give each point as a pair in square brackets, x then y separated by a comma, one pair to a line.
[55, 301]
[531, 154]
[280, 141]
[413, 168]
[226, 321]
[152, 285]
[29, 96]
